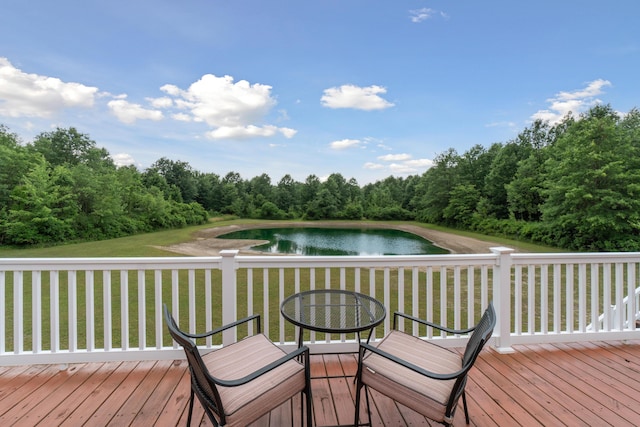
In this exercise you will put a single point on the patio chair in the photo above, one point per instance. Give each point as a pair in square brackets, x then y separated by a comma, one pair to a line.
[419, 374]
[238, 383]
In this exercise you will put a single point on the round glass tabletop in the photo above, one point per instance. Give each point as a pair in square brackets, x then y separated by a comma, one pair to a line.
[333, 311]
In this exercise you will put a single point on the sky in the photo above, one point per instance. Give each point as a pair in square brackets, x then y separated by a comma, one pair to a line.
[368, 89]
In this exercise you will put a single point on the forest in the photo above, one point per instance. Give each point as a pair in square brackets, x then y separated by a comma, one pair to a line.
[572, 185]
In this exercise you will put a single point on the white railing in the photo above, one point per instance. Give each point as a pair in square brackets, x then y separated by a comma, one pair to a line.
[98, 309]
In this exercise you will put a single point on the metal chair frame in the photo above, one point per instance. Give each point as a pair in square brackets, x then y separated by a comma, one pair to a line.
[481, 333]
[205, 386]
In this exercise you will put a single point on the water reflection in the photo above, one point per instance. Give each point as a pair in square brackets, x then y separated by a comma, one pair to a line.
[337, 241]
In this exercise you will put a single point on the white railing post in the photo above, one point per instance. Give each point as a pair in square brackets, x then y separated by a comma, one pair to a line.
[502, 298]
[229, 294]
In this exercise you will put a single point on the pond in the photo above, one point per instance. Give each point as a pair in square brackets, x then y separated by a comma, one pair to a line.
[337, 241]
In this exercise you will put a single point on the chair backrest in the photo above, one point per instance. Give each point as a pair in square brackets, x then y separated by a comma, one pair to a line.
[201, 380]
[481, 334]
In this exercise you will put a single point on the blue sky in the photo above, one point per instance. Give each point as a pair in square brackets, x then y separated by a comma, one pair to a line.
[367, 89]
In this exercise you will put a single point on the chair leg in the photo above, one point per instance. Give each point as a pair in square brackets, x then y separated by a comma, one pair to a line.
[309, 407]
[190, 408]
[357, 418]
[359, 388]
[464, 403]
[366, 397]
[302, 405]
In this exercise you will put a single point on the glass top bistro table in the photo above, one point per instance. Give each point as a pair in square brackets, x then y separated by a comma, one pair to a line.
[333, 311]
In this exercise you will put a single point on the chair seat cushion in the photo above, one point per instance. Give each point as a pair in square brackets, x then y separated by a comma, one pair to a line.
[243, 404]
[423, 394]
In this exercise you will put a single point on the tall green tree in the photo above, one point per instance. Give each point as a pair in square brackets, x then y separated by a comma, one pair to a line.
[593, 189]
[434, 189]
[178, 174]
[70, 147]
[39, 212]
[525, 191]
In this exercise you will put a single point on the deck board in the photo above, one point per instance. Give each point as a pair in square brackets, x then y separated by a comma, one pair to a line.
[574, 384]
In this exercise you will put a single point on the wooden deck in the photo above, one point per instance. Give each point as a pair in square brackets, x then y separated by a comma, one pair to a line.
[585, 384]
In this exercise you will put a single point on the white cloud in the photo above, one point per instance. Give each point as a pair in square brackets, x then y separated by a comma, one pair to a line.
[394, 157]
[233, 109]
[360, 98]
[220, 102]
[419, 15]
[128, 112]
[163, 102]
[575, 102]
[33, 95]
[402, 164]
[419, 163]
[345, 143]
[288, 132]
[123, 159]
[181, 117]
[250, 131]
[373, 166]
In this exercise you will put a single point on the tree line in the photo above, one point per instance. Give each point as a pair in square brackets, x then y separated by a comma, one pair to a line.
[574, 185]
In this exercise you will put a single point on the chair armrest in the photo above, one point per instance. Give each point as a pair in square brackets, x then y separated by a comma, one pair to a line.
[304, 351]
[417, 369]
[225, 327]
[429, 324]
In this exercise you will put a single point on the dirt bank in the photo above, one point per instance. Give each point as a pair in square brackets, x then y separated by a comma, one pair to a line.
[206, 242]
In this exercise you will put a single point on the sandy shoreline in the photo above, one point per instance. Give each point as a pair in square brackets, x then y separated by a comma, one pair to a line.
[206, 242]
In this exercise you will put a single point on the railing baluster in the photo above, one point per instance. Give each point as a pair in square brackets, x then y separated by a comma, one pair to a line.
[631, 293]
[557, 300]
[387, 295]
[443, 298]
[312, 285]
[191, 286]
[400, 272]
[54, 301]
[124, 309]
[72, 298]
[606, 296]
[18, 308]
[485, 286]
[457, 296]
[582, 297]
[517, 307]
[470, 296]
[36, 311]
[250, 298]
[90, 310]
[620, 311]
[157, 296]
[531, 296]
[280, 298]
[595, 297]
[142, 309]
[175, 296]
[265, 301]
[208, 305]
[429, 299]
[415, 301]
[544, 299]
[106, 308]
